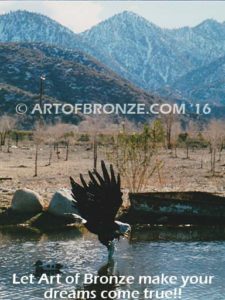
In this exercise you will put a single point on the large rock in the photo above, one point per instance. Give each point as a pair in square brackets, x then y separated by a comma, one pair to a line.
[26, 201]
[61, 204]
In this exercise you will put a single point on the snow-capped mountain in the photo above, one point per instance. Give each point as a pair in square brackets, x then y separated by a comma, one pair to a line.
[154, 57]
[32, 27]
[204, 84]
[25, 26]
[205, 41]
[145, 52]
[150, 57]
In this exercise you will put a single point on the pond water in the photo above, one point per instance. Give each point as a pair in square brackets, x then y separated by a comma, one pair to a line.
[150, 251]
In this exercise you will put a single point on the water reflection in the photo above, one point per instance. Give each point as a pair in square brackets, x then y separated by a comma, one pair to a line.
[178, 233]
[23, 233]
[9, 234]
[151, 251]
[108, 269]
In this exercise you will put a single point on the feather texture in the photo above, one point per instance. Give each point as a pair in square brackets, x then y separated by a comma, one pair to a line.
[99, 200]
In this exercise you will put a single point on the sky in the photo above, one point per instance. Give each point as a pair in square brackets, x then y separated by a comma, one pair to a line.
[82, 15]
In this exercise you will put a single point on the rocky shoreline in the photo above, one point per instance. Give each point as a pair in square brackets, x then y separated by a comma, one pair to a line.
[27, 209]
[155, 208]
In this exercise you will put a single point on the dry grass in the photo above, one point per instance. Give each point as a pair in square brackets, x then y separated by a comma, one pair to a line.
[177, 173]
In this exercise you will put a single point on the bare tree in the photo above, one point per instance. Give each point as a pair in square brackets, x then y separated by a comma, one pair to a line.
[133, 157]
[192, 134]
[51, 136]
[67, 134]
[7, 123]
[38, 137]
[95, 126]
[215, 134]
[64, 134]
[157, 132]
[168, 121]
[174, 136]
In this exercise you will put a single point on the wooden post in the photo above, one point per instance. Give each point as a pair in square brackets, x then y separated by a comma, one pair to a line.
[67, 151]
[95, 151]
[36, 160]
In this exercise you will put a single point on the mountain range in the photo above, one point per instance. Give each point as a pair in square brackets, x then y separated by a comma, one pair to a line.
[124, 57]
[157, 59]
[72, 77]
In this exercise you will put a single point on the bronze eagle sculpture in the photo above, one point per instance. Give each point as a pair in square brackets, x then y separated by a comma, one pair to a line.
[98, 202]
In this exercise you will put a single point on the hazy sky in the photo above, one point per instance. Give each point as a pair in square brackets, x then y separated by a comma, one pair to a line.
[81, 15]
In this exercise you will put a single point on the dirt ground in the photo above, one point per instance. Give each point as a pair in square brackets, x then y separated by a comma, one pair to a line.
[177, 173]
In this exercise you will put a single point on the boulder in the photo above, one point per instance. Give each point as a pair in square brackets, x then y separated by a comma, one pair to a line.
[26, 201]
[61, 204]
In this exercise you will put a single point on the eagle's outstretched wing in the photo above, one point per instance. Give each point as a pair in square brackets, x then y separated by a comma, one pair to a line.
[99, 200]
